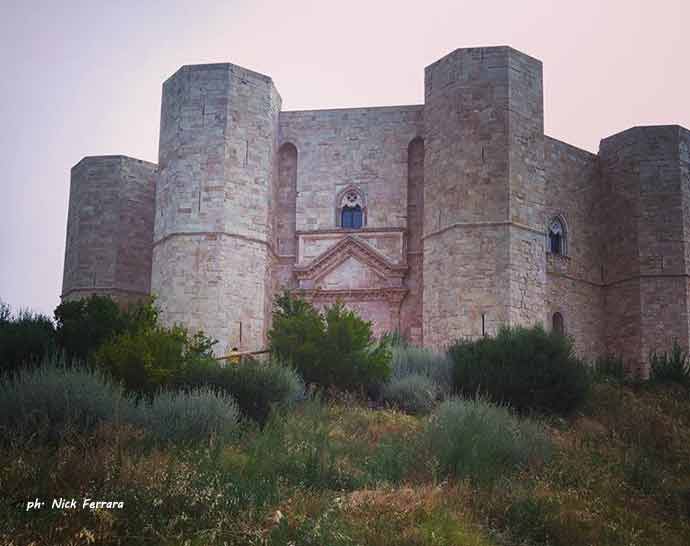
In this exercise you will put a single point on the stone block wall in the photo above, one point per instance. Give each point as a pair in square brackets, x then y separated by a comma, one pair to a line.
[457, 196]
[365, 147]
[646, 247]
[212, 252]
[411, 311]
[484, 263]
[574, 281]
[109, 229]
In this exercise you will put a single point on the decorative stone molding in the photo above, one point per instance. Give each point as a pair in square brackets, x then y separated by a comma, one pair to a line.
[351, 246]
[393, 296]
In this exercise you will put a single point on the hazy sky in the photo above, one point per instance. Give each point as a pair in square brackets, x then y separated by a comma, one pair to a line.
[84, 78]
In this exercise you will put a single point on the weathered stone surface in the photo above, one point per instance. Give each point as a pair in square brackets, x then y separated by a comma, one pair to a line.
[484, 261]
[645, 179]
[456, 195]
[109, 228]
[215, 200]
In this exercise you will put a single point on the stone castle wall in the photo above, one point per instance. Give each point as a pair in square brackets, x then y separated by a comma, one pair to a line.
[644, 170]
[326, 152]
[484, 194]
[457, 196]
[214, 202]
[109, 228]
[574, 281]
[366, 147]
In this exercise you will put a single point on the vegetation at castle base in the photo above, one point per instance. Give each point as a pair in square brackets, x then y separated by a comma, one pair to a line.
[52, 400]
[335, 348]
[25, 338]
[673, 367]
[420, 379]
[256, 386]
[470, 473]
[84, 324]
[528, 368]
[204, 453]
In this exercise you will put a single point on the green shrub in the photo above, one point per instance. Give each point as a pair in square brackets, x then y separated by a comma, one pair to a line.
[259, 387]
[24, 339]
[410, 360]
[476, 439]
[190, 416]
[148, 358]
[84, 324]
[335, 349]
[52, 399]
[414, 393]
[670, 368]
[395, 339]
[527, 368]
[610, 368]
[298, 448]
[256, 386]
[530, 518]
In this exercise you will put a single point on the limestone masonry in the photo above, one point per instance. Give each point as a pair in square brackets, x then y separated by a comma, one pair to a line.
[441, 220]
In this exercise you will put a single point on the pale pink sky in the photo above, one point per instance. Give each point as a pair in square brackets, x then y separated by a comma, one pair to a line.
[84, 78]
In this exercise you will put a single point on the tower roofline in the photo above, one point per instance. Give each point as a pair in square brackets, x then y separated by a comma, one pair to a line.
[219, 66]
[482, 48]
[642, 127]
[106, 157]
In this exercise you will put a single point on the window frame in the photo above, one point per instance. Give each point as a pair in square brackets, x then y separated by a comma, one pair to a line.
[561, 232]
[351, 197]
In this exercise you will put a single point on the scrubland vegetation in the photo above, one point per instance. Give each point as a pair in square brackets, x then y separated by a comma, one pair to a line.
[336, 439]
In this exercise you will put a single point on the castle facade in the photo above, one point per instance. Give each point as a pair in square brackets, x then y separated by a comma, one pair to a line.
[441, 220]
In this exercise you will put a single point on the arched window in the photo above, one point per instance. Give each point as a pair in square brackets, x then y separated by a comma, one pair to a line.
[556, 237]
[557, 323]
[351, 209]
[351, 217]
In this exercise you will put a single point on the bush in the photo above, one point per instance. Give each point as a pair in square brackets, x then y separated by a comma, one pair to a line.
[610, 368]
[257, 387]
[147, 358]
[479, 440]
[260, 387]
[419, 379]
[24, 339]
[190, 416]
[527, 368]
[335, 349]
[84, 324]
[52, 399]
[412, 393]
[409, 360]
[670, 368]
[299, 448]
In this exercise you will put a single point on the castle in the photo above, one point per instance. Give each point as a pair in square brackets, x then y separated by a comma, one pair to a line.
[441, 220]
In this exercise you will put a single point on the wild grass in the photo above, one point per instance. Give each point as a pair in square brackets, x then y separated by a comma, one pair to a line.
[340, 473]
[673, 367]
[190, 416]
[419, 380]
[415, 393]
[53, 399]
[482, 441]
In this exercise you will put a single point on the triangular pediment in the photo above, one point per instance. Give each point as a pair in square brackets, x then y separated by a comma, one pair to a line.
[349, 274]
[354, 256]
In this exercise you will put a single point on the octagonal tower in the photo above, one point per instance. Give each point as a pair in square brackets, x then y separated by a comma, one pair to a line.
[214, 198]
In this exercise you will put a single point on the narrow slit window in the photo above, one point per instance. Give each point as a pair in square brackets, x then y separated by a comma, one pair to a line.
[556, 237]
